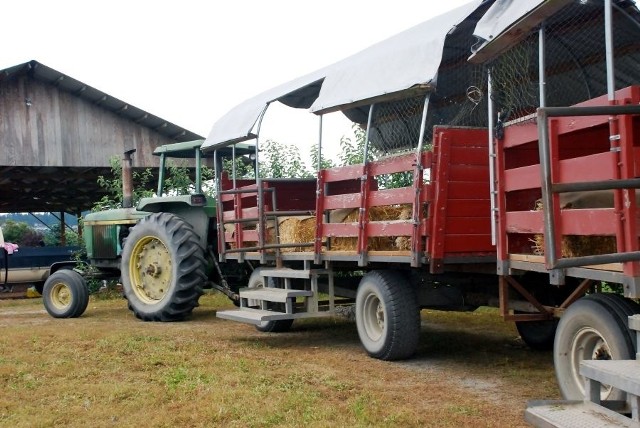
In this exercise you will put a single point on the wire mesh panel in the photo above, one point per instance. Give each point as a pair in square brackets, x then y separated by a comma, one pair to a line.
[575, 60]
[395, 126]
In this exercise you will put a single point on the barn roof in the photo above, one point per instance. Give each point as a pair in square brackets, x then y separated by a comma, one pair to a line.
[32, 187]
[66, 83]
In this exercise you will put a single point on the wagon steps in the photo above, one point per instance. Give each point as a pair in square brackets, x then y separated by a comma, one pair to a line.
[594, 412]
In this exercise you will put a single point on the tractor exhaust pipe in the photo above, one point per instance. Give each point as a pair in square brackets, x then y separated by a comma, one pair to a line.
[127, 179]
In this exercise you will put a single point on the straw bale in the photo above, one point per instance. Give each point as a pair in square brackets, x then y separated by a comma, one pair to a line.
[576, 245]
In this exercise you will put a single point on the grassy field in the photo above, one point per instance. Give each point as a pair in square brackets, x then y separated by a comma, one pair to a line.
[108, 369]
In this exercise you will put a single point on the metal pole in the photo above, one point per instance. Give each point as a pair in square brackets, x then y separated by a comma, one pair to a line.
[542, 59]
[608, 38]
[198, 171]
[320, 144]
[547, 195]
[233, 165]
[161, 174]
[366, 136]
[492, 158]
[260, 197]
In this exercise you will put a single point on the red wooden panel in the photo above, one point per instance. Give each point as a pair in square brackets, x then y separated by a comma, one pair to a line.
[572, 222]
[249, 235]
[467, 225]
[246, 213]
[469, 155]
[524, 222]
[340, 229]
[389, 228]
[469, 208]
[350, 172]
[393, 164]
[597, 167]
[468, 244]
[526, 177]
[588, 222]
[401, 195]
[351, 200]
[520, 134]
[469, 172]
[468, 190]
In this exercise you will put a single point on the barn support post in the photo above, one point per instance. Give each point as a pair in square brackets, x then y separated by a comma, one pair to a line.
[63, 232]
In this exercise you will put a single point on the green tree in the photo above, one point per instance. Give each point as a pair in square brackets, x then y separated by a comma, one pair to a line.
[281, 160]
[19, 232]
[143, 185]
[324, 163]
[53, 237]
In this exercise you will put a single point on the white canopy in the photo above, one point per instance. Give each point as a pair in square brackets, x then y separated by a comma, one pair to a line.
[508, 20]
[408, 59]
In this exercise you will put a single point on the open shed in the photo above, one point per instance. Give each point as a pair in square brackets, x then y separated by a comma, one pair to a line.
[57, 135]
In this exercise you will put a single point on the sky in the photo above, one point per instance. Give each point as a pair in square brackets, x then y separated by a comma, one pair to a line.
[191, 61]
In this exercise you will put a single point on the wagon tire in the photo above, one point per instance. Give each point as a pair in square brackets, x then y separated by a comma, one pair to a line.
[163, 268]
[594, 327]
[387, 316]
[65, 294]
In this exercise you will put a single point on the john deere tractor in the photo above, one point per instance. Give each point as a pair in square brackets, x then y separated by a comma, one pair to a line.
[163, 251]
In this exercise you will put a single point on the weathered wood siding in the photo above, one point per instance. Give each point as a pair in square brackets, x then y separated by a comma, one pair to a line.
[60, 129]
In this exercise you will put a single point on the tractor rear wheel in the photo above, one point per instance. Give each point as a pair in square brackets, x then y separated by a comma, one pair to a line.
[162, 268]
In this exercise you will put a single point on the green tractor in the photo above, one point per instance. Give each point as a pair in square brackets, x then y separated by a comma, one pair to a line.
[163, 251]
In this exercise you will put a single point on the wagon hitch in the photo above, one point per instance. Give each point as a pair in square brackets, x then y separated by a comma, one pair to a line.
[224, 286]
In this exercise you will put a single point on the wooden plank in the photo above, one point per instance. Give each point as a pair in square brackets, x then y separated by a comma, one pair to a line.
[350, 172]
[403, 195]
[389, 228]
[469, 172]
[393, 164]
[468, 190]
[340, 229]
[468, 244]
[532, 258]
[469, 208]
[467, 225]
[572, 222]
[350, 200]
[466, 155]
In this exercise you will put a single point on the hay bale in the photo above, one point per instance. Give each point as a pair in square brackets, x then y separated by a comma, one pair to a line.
[576, 245]
[296, 230]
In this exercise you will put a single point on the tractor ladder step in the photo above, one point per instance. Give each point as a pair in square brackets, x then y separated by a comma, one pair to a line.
[258, 316]
[268, 294]
[574, 414]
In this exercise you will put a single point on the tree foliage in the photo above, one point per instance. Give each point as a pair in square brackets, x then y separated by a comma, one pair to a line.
[143, 184]
[281, 160]
[20, 233]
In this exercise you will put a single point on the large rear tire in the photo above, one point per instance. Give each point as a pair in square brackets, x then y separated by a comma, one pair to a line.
[256, 280]
[162, 268]
[593, 328]
[387, 315]
[65, 294]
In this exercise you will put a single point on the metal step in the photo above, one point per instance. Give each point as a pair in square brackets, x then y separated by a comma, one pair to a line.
[634, 322]
[621, 374]
[258, 316]
[273, 294]
[286, 273]
[574, 414]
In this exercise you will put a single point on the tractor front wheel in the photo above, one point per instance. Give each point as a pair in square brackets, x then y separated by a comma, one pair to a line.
[65, 294]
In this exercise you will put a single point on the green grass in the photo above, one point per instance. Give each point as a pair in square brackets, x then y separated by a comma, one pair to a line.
[107, 369]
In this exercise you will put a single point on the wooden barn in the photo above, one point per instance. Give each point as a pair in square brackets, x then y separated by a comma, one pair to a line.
[57, 135]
